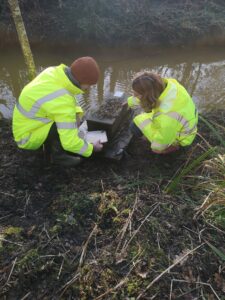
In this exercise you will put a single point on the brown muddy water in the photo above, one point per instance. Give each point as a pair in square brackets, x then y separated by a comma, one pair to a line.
[200, 70]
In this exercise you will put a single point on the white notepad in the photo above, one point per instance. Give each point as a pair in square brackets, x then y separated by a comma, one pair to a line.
[118, 94]
[97, 135]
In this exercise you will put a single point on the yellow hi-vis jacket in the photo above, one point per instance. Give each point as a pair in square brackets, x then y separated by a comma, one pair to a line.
[173, 122]
[49, 98]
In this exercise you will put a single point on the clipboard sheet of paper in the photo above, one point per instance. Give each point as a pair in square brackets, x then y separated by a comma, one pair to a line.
[97, 135]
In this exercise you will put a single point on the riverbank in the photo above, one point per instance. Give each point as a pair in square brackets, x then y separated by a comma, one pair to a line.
[118, 23]
[112, 231]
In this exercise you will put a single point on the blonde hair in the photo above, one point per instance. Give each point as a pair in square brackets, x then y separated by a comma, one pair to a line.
[149, 86]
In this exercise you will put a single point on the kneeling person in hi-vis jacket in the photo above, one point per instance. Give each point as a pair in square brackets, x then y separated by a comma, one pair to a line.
[47, 110]
[170, 117]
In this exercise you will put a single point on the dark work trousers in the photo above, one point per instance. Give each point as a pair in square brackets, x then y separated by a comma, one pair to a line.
[52, 139]
[135, 130]
[52, 145]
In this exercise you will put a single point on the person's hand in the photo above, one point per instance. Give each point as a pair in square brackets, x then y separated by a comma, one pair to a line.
[97, 146]
[78, 120]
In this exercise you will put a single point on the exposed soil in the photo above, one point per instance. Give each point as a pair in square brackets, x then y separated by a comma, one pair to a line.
[105, 230]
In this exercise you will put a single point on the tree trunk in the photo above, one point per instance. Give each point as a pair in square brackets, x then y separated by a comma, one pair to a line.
[16, 13]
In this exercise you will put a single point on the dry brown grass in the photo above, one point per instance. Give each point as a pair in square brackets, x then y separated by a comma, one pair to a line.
[214, 171]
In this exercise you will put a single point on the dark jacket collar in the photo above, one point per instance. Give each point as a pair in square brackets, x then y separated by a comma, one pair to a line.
[71, 77]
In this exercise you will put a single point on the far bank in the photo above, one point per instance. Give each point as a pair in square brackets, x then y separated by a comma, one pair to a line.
[118, 23]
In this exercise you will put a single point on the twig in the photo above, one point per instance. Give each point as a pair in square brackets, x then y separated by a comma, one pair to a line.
[4, 240]
[218, 125]
[158, 241]
[68, 284]
[51, 255]
[189, 157]
[171, 289]
[206, 142]
[46, 231]
[25, 206]
[136, 231]
[190, 230]
[84, 250]
[102, 184]
[124, 229]
[26, 296]
[60, 270]
[220, 230]
[203, 297]
[186, 293]
[10, 274]
[121, 283]
[167, 270]
[203, 207]
[7, 194]
[198, 282]
[202, 147]
[5, 216]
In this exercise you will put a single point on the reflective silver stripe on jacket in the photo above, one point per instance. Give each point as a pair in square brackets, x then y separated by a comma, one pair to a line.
[37, 105]
[83, 149]
[31, 114]
[189, 132]
[178, 117]
[171, 94]
[66, 125]
[23, 140]
[144, 123]
[156, 145]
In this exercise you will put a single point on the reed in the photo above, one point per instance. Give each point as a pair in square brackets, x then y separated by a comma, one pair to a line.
[214, 131]
[214, 171]
[173, 184]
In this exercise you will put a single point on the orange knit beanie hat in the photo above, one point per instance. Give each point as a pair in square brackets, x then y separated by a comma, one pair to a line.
[85, 70]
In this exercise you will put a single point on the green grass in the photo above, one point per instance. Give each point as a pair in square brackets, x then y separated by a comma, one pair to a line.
[194, 164]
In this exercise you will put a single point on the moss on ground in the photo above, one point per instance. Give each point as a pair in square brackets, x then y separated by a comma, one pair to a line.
[72, 234]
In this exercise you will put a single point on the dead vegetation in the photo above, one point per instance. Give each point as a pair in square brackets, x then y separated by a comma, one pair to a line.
[109, 110]
[110, 231]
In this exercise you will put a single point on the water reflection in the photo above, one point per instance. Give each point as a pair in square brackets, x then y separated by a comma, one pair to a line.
[201, 71]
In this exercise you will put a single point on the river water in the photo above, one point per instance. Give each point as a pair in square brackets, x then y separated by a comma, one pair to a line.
[200, 70]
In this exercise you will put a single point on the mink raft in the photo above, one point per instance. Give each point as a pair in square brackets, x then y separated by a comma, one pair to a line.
[114, 117]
